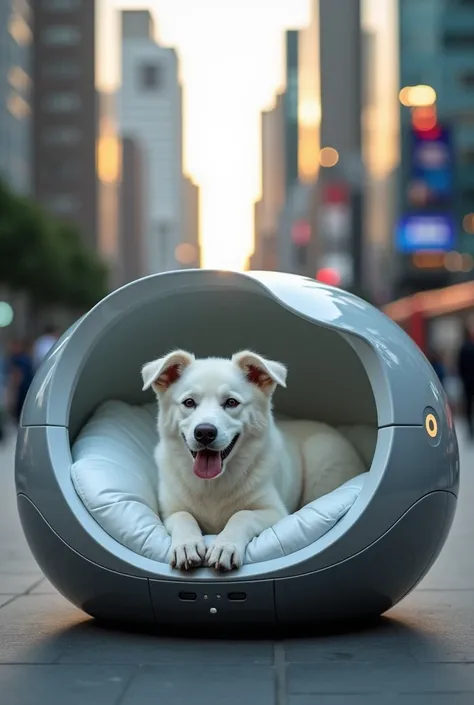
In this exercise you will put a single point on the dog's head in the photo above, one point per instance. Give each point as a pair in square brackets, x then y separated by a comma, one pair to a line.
[213, 405]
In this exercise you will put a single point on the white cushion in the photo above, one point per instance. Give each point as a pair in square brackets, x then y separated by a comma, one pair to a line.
[115, 476]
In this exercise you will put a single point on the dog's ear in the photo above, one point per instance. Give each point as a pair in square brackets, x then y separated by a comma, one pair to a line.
[162, 373]
[265, 374]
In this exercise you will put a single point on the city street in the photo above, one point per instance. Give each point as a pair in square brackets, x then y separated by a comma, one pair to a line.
[422, 652]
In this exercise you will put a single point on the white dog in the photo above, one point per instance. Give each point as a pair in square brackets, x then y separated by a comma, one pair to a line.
[225, 466]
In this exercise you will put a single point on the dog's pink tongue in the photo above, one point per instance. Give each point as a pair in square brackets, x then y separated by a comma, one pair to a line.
[207, 464]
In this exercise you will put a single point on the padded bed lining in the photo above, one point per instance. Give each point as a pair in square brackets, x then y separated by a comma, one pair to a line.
[115, 476]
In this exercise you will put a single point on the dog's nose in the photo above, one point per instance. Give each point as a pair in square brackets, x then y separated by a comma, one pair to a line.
[205, 433]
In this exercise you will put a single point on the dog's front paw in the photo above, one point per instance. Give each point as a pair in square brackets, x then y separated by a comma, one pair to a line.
[186, 556]
[224, 556]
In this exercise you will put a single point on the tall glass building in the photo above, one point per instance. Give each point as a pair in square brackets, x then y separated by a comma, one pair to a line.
[437, 51]
[15, 86]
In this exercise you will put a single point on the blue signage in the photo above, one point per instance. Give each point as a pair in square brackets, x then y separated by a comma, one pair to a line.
[425, 231]
[432, 166]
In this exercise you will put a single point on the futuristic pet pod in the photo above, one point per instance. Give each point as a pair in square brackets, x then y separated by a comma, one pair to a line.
[348, 364]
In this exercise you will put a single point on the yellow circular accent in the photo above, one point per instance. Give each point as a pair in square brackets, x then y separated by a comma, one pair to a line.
[431, 426]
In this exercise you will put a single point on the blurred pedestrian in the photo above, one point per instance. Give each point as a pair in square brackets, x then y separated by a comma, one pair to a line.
[437, 363]
[466, 374]
[19, 376]
[43, 344]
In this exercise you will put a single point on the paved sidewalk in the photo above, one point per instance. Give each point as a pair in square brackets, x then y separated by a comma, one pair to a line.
[422, 653]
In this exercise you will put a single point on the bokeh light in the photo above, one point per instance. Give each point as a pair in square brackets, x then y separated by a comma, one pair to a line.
[417, 96]
[453, 262]
[424, 119]
[186, 253]
[328, 157]
[468, 223]
[6, 314]
[467, 262]
[329, 275]
[108, 159]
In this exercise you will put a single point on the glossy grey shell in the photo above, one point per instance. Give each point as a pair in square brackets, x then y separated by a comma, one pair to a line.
[348, 363]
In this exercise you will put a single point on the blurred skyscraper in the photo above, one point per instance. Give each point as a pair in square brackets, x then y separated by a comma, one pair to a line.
[436, 226]
[315, 232]
[380, 144]
[267, 209]
[65, 112]
[131, 214]
[352, 71]
[150, 112]
[108, 186]
[341, 179]
[291, 108]
[15, 91]
[282, 215]
[188, 252]
[309, 99]
[294, 224]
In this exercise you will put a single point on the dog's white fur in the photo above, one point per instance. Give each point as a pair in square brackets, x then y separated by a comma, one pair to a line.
[273, 469]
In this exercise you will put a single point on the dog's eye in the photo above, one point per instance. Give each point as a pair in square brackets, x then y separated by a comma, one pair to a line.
[232, 403]
[189, 403]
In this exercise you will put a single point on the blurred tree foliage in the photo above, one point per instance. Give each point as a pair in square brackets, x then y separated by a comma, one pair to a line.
[45, 257]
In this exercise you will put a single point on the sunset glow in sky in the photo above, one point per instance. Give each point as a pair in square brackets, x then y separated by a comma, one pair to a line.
[231, 55]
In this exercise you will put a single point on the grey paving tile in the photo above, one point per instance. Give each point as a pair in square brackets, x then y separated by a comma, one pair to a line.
[212, 685]
[90, 644]
[44, 587]
[441, 625]
[36, 629]
[385, 643]
[62, 685]
[14, 552]
[386, 679]
[4, 599]
[20, 566]
[452, 571]
[18, 583]
[378, 699]
[454, 568]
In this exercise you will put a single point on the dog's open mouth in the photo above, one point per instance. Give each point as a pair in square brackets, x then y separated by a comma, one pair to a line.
[208, 463]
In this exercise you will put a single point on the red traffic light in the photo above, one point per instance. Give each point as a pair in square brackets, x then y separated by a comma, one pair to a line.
[328, 275]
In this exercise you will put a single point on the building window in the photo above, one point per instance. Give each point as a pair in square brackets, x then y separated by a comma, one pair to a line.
[61, 69]
[467, 200]
[61, 102]
[465, 118]
[18, 106]
[63, 204]
[62, 136]
[150, 77]
[61, 35]
[62, 5]
[467, 79]
[18, 78]
[458, 41]
[22, 7]
[19, 29]
[466, 156]
[68, 170]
